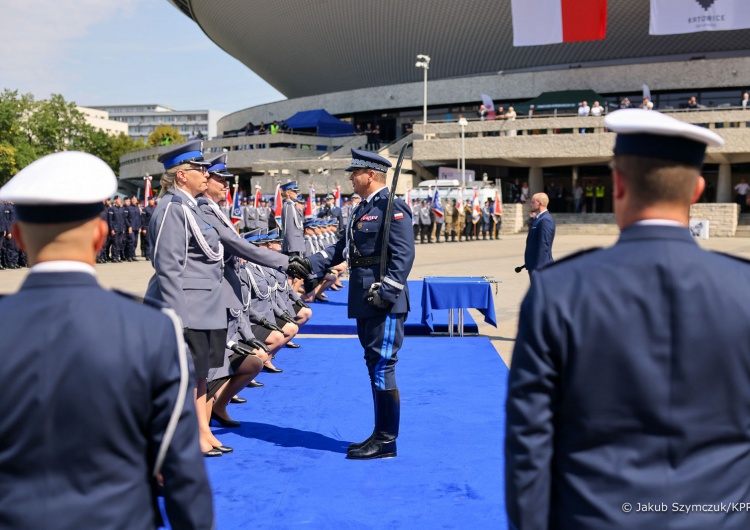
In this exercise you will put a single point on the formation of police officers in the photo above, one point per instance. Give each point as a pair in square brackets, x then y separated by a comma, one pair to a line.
[11, 257]
[456, 224]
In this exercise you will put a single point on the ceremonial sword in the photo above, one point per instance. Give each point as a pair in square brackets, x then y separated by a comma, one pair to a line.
[387, 222]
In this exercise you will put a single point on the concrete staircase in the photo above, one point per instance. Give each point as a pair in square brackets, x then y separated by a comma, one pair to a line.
[599, 224]
[743, 226]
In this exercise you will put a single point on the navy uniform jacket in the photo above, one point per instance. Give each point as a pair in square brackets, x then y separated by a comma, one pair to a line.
[92, 396]
[134, 217]
[146, 213]
[291, 228]
[116, 219]
[630, 382]
[4, 224]
[365, 238]
[539, 242]
[10, 214]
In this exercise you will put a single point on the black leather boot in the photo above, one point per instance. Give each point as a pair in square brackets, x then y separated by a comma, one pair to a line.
[387, 418]
[357, 445]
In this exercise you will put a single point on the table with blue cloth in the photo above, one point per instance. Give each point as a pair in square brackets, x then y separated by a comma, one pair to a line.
[459, 292]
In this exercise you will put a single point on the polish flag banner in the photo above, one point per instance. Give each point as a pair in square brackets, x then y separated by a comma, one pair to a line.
[672, 17]
[309, 202]
[537, 22]
[258, 197]
[278, 204]
[497, 207]
[337, 197]
[460, 200]
[148, 192]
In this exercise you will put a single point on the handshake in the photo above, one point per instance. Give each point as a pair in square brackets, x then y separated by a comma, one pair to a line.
[299, 267]
[242, 348]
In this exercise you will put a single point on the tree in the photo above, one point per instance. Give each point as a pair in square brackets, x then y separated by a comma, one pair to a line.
[30, 129]
[165, 135]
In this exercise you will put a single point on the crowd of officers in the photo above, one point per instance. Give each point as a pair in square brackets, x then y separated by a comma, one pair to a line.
[456, 224]
[11, 257]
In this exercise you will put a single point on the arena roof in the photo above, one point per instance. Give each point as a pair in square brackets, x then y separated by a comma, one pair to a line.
[304, 47]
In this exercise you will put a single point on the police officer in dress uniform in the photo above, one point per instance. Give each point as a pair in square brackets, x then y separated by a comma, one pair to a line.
[117, 229]
[291, 221]
[11, 249]
[379, 304]
[187, 256]
[134, 227]
[4, 229]
[146, 214]
[67, 460]
[630, 381]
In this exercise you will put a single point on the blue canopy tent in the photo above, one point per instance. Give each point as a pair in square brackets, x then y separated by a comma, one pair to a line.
[319, 122]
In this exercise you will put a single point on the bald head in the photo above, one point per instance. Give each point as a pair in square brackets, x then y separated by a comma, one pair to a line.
[72, 241]
[539, 202]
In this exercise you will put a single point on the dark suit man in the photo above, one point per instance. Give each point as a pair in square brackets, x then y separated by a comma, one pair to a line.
[630, 380]
[380, 305]
[90, 428]
[541, 235]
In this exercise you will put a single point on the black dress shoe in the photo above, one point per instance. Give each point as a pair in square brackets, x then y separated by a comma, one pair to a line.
[237, 400]
[272, 370]
[224, 449]
[212, 452]
[254, 384]
[224, 423]
[291, 344]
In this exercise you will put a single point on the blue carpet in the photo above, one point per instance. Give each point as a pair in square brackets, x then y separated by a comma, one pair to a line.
[330, 318]
[289, 471]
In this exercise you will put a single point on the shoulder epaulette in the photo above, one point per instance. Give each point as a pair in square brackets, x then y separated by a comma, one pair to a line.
[202, 201]
[738, 258]
[141, 300]
[176, 198]
[574, 255]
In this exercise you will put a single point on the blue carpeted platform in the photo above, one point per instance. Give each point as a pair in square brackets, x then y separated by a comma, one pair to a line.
[330, 318]
[289, 471]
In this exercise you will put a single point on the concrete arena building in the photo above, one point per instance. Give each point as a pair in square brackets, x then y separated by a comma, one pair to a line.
[357, 60]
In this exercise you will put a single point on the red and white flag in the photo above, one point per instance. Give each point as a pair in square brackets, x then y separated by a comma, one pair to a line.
[278, 204]
[147, 192]
[309, 203]
[476, 209]
[337, 197]
[460, 200]
[537, 22]
[258, 197]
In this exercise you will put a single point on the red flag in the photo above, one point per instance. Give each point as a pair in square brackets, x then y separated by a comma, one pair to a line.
[498, 206]
[309, 202]
[278, 203]
[460, 200]
[476, 213]
[258, 197]
[228, 197]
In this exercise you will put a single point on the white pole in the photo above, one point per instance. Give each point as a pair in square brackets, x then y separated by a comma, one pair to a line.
[463, 157]
[424, 114]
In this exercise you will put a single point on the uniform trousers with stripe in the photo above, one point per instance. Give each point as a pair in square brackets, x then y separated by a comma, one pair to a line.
[381, 337]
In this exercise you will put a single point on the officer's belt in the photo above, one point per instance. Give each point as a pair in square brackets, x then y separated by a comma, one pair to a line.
[361, 261]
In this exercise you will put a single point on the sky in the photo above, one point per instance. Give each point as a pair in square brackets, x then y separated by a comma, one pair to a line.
[110, 52]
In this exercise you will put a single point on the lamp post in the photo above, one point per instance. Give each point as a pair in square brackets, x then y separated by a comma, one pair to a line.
[423, 61]
[463, 123]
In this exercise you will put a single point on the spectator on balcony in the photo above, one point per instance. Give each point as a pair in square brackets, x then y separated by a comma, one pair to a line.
[262, 129]
[745, 103]
[510, 116]
[482, 112]
[409, 127]
[693, 103]
[368, 133]
[515, 191]
[596, 109]
[358, 130]
[524, 193]
[376, 138]
[626, 104]
[583, 111]
[647, 104]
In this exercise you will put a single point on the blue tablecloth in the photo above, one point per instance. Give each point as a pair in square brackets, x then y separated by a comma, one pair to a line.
[445, 292]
